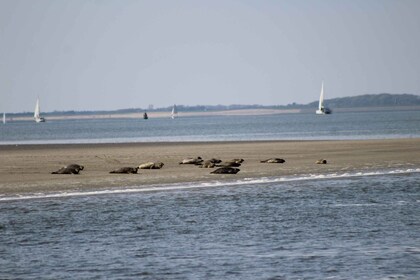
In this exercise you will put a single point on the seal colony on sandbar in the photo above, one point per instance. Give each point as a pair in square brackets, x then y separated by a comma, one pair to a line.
[224, 167]
[27, 168]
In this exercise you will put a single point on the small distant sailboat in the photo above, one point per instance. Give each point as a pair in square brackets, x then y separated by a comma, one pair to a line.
[37, 116]
[145, 116]
[322, 110]
[174, 113]
[4, 118]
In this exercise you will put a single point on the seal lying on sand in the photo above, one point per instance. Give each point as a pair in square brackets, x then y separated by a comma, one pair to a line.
[229, 164]
[125, 170]
[274, 160]
[215, 160]
[151, 165]
[225, 170]
[69, 169]
[207, 164]
[196, 161]
[321, 161]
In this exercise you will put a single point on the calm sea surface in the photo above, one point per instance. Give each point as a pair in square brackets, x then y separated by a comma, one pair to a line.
[329, 226]
[365, 227]
[360, 125]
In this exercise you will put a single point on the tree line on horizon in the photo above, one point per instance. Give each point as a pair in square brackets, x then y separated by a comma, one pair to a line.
[367, 100]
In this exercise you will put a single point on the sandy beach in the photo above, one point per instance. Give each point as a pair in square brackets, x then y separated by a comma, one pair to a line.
[27, 168]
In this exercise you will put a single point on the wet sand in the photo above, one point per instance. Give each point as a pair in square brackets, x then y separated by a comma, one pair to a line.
[27, 168]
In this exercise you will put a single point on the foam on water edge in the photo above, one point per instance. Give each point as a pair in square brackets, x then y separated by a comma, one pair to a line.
[210, 184]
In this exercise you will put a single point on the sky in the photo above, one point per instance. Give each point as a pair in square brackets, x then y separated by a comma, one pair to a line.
[110, 54]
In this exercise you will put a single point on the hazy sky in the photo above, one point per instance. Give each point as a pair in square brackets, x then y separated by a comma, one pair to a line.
[94, 55]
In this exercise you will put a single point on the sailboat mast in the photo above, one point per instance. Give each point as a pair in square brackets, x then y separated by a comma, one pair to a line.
[36, 113]
[321, 97]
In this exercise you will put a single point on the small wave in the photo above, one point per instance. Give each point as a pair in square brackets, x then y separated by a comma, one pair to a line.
[211, 184]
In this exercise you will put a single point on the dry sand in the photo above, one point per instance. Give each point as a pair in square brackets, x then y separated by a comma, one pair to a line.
[27, 168]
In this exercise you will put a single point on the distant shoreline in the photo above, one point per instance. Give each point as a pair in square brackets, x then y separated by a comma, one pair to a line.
[237, 112]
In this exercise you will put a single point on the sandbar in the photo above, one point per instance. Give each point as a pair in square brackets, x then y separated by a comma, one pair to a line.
[27, 168]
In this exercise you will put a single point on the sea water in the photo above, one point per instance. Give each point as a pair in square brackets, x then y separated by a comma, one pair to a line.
[322, 226]
[355, 226]
[360, 125]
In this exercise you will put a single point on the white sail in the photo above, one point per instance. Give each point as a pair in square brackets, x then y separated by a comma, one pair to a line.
[174, 112]
[4, 117]
[322, 110]
[37, 111]
[321, 97]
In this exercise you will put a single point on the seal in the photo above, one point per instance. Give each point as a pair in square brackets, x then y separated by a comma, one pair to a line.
[196, 161]
[151, 165]
[321, 161]
[229, 164]
[76, 166]
[273, 160]
[125, 170]
[225, 170]
[69, 169]
[207, 164]
[215, 160]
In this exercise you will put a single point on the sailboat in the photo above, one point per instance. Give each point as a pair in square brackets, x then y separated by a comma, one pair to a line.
[322, 110]
[145, 116]
[174, 113]
[4, 118]
[37, 117]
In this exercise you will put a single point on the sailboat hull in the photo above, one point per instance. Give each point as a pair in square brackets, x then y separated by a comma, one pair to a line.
[324, 111]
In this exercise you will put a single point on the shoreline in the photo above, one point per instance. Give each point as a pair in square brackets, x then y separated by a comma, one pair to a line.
[202, 184]
[232, 112]
[26, 168]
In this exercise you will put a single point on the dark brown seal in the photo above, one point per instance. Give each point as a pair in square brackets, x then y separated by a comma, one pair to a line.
[125, 170]
[69, 169]
[229, 164]
[215, 160]
[225, 170]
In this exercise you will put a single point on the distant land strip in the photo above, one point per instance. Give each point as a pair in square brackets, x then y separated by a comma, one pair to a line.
[238, 112]
[367, 102]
